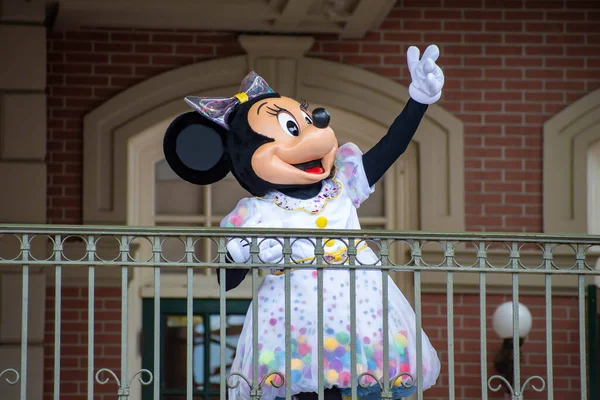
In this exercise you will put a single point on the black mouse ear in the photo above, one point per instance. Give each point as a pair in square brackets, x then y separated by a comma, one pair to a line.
[194, 148]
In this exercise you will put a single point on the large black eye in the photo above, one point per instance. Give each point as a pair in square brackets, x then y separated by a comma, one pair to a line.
[288, 124]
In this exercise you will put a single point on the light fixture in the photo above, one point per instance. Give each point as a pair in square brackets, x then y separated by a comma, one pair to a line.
[502, 322]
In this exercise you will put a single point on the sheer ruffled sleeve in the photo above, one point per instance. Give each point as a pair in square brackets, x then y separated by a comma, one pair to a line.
[350, 168]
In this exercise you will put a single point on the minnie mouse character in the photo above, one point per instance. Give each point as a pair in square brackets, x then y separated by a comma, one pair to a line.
[289, 160]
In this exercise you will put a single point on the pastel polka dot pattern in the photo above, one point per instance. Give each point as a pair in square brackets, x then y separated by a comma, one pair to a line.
[336, 335]
[349, 161]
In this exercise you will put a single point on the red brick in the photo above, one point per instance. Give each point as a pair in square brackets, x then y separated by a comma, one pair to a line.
[463, 50]
[523, 15]
[194, 49]
[88, 58]
[72, 91]
[482, 61]
[551, 27]
[482, 38]
[380, 48]
[565, 15]
[504, 50]
[484, 107]
[172, 38]
[154, 48]
[504, 164]
[523, 38]
[113, 69]
[463, 72]
[565, 39]
[87, 80]
[527, 153]
[442, 14]
[412, 37]
[564, 85]
[462, 95]
[441, 37]
[172, 60]
[483, 175]
[482, 152]
[473, 164]
[485, 221]
[503, 141]
[71, 68]
[543, 96]
[473, 141]
[421, 25]
[503, 96]
[389, 24]
[544, 50]
[129, 37]
[504, 73]
[523, 175]
[544, 73]
[503, 119]
[535, 119]
[113, 47]
[504, 210]
[87, 35]
[592, 51]
[470, 26]
[583, 27]
[564, 62]
[129, 59]
[401, 13]
[482, 84]
[523, 85]
[523, 107]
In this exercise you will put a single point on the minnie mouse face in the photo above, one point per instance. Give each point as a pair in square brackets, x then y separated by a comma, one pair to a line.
[267, 141]
[300, 153]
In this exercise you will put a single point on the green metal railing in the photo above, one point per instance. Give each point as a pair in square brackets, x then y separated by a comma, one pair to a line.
[480, 248]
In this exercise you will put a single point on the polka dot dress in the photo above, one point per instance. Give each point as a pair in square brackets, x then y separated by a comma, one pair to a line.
[333, 212]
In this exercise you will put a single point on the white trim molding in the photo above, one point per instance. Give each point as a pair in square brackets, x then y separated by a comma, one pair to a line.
[569, 137]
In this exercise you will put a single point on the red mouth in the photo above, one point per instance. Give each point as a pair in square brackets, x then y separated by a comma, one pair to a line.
[314, 170]
[311, 167]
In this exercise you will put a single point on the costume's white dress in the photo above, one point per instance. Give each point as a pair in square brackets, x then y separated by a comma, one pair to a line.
[333, 208]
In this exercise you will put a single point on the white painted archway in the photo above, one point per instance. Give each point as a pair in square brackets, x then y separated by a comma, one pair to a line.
[572, 168]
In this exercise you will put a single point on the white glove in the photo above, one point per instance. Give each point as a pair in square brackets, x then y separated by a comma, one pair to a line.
[270, 250]
[427, 77]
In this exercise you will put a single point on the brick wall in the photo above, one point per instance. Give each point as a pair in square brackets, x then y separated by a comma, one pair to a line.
[467, 349]
[74, 342]
[467, 346]
[507, 71]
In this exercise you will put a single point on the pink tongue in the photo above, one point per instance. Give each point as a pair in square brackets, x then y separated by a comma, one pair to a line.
[314, 170]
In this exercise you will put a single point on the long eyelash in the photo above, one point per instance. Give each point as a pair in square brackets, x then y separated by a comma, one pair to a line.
[304, 104]
[274, 111]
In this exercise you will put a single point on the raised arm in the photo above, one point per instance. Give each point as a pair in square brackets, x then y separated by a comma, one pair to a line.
[425, 89]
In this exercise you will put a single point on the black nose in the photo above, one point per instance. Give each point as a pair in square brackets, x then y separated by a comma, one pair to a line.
[320, 118]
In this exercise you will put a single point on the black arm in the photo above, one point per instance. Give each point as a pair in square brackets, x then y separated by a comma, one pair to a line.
[381, 157]
[233, 277]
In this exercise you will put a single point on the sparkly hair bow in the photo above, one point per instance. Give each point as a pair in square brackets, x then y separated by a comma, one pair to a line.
[218, 109]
